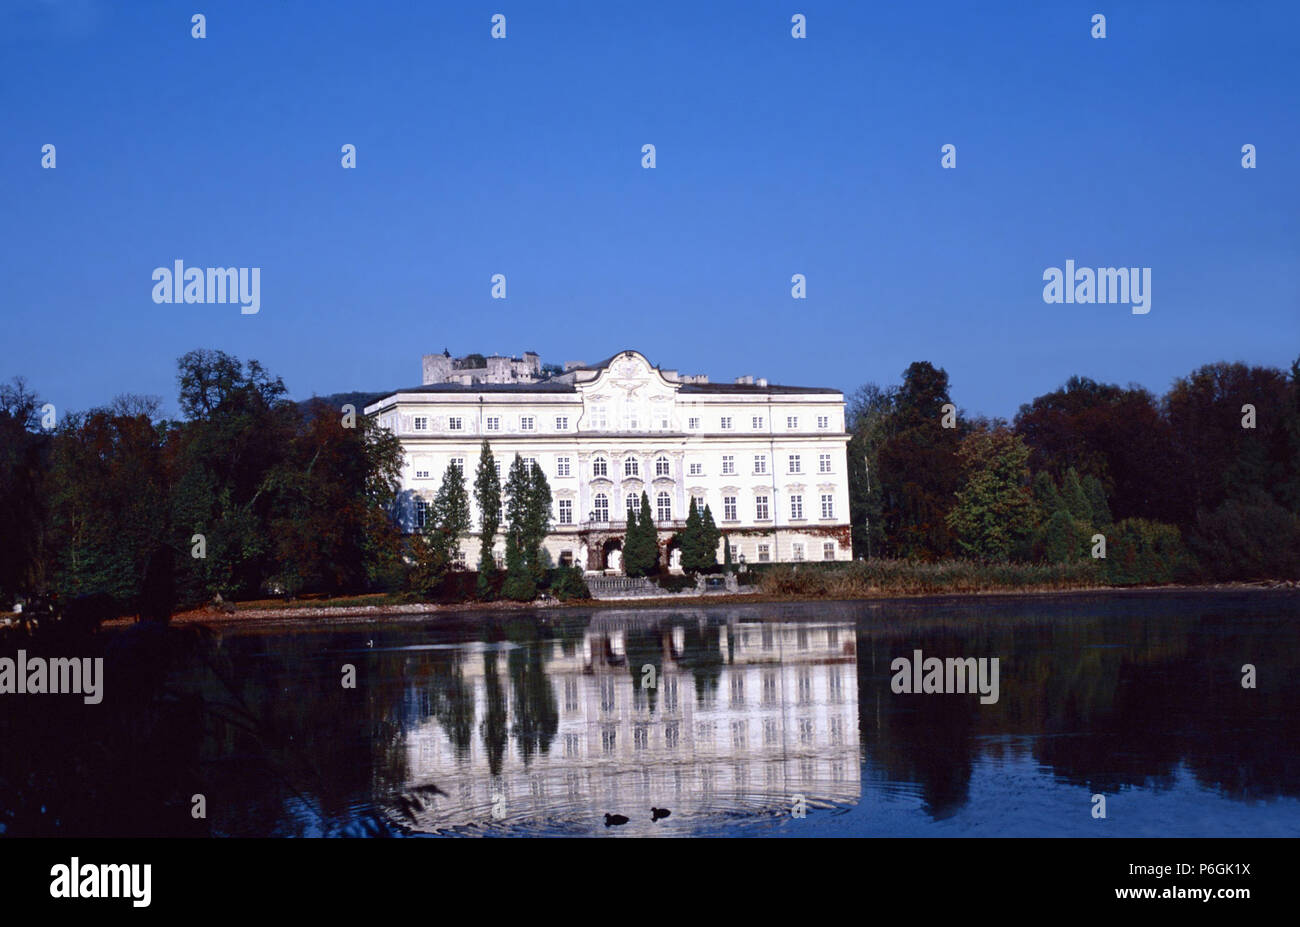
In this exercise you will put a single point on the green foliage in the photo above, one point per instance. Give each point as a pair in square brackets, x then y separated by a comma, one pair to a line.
[487, 496]
[519, 585]
[1139, 551]
[1063, 538]
[1248, 538]
[24, 510]
[446, 523]
[567, 584]
[641, 542]
[995, 512]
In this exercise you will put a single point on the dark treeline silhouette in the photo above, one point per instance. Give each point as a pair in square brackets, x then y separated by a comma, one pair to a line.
[1200, 484]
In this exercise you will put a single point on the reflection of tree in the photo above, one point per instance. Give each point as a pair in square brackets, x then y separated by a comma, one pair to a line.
[537, 716]
[645, 646]
[702, 658]
[496, 721]
[453, 706]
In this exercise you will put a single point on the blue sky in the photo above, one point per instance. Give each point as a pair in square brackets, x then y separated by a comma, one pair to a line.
[522, 156]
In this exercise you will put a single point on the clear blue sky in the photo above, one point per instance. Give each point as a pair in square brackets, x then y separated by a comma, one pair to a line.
[522, 156]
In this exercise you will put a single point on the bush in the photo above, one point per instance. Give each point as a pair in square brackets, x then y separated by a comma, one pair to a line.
[858, 578]
[566, 583]
[1252, 538]
[674, 583]
[1142, 551]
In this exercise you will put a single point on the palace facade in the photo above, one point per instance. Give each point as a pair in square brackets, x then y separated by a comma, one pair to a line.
[769, 461]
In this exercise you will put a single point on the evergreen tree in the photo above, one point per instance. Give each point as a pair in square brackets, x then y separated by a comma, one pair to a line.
[688, 539]
[537, 522]
[709, 537]
[521, 495]
[641, 543]
[519, 584]
[1074, 498]
[726, 554]
[487, 496]
[995, 511]
[447, 522]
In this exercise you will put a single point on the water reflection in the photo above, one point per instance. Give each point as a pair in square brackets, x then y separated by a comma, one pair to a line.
[704, 718]
[540, 723]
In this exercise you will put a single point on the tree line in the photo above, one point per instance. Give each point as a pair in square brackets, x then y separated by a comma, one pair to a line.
[1200, 484]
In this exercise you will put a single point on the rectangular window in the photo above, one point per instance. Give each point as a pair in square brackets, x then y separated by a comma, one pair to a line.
[561, 423]
[699, 504]
[525, 423]
[796, 551]
[458, 560]
[823, 463]
[496, 465]
[599, 418]
[494, 423]
[796, 506]
[728, 508]
[726, 423]
[565, 508]
[421, 474]
[695, 469]
[758, 423]
[796, 466]
[455, 423]
[633, 420]
[792, 422]
[600, 467]
[760, 463]
[760, 508]
[764, 553]
[420, 423]
[728, 464]
[421, 512]
[823, 421]
[828, 506]
[562, 466]
[664, 508]
[828, 550]
[693, 423]
[529, 464]
[458, 461]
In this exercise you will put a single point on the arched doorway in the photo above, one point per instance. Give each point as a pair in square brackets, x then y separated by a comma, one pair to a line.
[611, 555]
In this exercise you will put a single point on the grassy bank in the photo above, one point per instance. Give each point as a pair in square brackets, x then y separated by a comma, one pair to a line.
[864, 578]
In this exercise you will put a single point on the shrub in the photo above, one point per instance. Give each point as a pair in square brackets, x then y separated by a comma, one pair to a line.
[1142, 551]
[566, 583]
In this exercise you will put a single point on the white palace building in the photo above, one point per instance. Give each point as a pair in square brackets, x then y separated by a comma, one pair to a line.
[769, 461]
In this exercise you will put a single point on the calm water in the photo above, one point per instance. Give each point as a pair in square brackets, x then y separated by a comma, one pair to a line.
[539, 724]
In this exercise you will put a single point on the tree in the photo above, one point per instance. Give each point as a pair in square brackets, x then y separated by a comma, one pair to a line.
[709, 538]
[522, 495]
[640, 543]
[24, 511]
[487, 496]
[449, 521]
[537, 523]
[995, 511]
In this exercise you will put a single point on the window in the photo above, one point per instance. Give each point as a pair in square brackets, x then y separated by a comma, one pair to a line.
[661, 466]
[699, 504]
[728, 464]
[561, 423]
[525, 423]
[565, 508]
[458, 560]
[726, 423]
[599, 418]
[562, 466]
[823, 463]
[758, 423]
[420, 423]
[728, 508]
[496, 465]
[796, 466]
[828, 506]
[455, 423]
[633, 504]
[695, 469]
[421, 512]
[600, 507]
[600, 467]
[530, 464]
[664, 507]
[494, 423]
[631, 467]
[633, 420]
[823, 421]
[796, 506]
[764, 553]
[760, 508]
[661, 416]
[828, 550]
[421, 474]
[693, 423]
[796, 551]
[760, 463]
[792, 422]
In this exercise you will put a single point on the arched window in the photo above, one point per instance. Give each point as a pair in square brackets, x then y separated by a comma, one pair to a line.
[665, 507]
[661, 465]
[600, 507]
[599, 467]
[631, 467]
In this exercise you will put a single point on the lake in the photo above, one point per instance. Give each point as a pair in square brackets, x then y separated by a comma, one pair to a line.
[754, 720]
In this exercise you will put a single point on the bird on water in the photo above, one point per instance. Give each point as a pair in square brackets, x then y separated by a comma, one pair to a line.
[657, 813]
[614, 820]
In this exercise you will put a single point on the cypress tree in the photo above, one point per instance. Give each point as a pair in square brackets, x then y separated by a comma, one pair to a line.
[688, 539]
[487, 495]
[709, 537]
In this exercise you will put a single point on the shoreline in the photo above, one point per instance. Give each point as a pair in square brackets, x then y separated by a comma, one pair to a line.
[307, 616]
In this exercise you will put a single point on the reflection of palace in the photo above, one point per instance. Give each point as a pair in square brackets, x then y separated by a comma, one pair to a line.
[767, 712]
